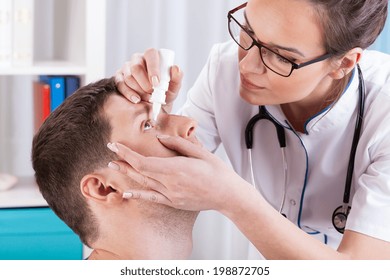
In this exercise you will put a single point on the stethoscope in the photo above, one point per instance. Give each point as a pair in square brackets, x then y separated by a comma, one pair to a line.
[340, 214]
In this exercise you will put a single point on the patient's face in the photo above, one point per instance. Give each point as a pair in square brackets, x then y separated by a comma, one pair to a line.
[133, 125]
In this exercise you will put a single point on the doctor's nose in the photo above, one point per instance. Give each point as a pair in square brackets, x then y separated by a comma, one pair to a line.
[177, 125]
[250, 61]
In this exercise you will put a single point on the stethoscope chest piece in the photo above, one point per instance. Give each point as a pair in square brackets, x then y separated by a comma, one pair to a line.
[339, 217]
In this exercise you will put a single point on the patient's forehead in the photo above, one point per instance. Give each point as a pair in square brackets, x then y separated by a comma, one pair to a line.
[119, 100]
[117, 104]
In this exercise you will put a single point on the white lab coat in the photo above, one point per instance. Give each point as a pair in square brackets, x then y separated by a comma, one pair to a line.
[317, 160]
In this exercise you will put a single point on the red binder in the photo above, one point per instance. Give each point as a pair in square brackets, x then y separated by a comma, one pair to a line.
[41, 103]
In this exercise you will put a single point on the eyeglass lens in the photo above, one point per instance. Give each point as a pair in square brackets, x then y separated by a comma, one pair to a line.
[271, 60]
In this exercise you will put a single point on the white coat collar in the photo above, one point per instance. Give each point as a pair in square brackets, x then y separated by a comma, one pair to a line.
[334, 116]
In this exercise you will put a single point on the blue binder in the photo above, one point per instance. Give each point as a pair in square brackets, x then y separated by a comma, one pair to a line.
[72, 83]
[57, 90]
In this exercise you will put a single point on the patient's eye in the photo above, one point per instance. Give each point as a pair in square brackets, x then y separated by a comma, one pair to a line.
[148, 125]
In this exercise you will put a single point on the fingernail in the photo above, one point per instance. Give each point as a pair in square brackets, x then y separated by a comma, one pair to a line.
[162, 136]
[135, 99]
[113, 147]
[177, 68]
[155, 81]
[127, 195]
[113, 165]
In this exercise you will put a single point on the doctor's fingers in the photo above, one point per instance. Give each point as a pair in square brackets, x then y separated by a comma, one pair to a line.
[174, 87]
[171, 177]
[147, 195]
[128, 92]
[156, 197]
[152, 61]
[189, 147]
[134, 75]
[139, 69]
[141, 180]
[152, 167]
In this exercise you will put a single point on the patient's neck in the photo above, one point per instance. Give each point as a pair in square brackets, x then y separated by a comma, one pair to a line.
[142, 241]
[146, 250]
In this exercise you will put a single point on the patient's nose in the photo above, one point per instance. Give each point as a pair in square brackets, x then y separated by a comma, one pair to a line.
[177, 125]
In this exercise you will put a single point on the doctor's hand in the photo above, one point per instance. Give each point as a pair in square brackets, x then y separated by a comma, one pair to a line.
[197, 180]
[136, 78]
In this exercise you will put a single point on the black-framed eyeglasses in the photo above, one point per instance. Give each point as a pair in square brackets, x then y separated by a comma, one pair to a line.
[271, 59]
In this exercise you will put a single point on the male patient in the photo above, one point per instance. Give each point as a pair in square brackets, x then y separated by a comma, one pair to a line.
[70, 158]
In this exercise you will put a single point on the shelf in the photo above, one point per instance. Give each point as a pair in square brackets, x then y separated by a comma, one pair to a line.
[46, 68]
[69, 39]
[24, 194]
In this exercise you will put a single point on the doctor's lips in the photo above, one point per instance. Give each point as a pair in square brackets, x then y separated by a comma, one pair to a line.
[249, 85]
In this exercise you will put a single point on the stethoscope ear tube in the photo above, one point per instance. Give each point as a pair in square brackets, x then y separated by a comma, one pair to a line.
[356, 137]
[249, 131]
[340, 214]
[263, 114]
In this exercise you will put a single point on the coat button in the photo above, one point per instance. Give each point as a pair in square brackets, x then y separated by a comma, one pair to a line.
[293, 202]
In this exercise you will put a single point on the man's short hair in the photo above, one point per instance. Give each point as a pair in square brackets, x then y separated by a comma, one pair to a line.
[70, 144]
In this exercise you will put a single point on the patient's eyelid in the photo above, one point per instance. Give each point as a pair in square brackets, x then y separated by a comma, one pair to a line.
[148, 125]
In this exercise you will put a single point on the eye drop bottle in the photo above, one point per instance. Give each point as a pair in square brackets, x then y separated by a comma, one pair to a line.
[159, 92]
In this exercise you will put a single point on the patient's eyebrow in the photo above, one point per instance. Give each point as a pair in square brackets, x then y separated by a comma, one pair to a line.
[142, 110]
[142, 107]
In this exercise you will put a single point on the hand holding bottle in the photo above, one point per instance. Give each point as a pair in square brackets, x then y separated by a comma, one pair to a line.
[137, 77]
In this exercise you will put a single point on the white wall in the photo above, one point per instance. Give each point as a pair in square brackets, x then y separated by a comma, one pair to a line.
[190, 28]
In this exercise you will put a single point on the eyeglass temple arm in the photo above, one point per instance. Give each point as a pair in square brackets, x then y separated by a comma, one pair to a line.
[237, 8]
[323, 57]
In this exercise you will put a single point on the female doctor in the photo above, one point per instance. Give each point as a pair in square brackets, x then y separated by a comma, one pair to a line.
[303, 111]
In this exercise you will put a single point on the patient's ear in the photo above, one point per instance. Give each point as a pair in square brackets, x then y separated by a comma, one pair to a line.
[345, 64]
[99, 188]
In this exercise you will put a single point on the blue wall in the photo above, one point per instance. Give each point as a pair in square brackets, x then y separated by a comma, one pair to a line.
[383, 41]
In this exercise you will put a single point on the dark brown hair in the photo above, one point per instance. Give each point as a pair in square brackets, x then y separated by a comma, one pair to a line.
[350, 23]
[70, 144]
